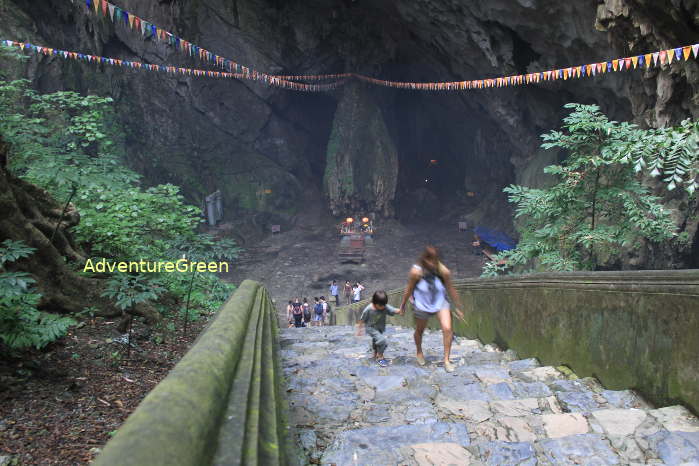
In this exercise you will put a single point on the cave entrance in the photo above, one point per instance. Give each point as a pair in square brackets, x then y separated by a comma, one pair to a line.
[453, 160]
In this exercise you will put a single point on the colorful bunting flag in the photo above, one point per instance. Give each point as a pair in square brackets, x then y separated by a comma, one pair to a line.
[116, 14]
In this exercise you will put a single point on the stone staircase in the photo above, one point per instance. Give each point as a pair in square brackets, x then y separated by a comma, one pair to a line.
[494, 409]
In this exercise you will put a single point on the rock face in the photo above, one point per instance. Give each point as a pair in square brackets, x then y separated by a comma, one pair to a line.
[362, 162]
[267, 148]
[494, 409]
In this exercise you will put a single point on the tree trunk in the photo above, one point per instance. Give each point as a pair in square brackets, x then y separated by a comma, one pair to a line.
[29, 214]
[593, 262]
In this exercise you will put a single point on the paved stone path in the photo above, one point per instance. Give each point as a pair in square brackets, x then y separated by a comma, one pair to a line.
[494, 409]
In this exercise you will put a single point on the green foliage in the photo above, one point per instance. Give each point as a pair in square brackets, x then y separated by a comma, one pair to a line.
[130, 223]
[13, 250]
[21, 324]
[129, 290]
[599, 204]
[208, 292]
[61, 140]
[669, 153]
[65, 141]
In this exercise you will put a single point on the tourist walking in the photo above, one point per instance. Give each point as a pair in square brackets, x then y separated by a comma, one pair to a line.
[297, 313]
[306, 312]
[357, 292]
[374, 318]
[428, 284]
[326, 310]
[318, 313]
[347, 291]
[289, 315]
[334, 292]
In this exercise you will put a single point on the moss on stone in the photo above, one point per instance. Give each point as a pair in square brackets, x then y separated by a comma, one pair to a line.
[361, 158]
[178, 422]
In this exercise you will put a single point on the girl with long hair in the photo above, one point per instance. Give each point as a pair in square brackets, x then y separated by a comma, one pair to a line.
[428, 284]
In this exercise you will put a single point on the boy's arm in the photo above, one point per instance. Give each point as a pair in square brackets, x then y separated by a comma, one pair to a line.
[362, 321]
[391, 311]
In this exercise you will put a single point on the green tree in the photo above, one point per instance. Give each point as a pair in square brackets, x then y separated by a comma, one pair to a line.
[72, 146]
[599, 204]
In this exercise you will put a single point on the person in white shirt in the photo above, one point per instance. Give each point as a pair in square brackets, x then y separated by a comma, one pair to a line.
[335, 292]
[428, 286]
[357, 292]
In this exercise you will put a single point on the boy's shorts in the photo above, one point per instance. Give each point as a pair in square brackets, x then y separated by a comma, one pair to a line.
[317, 318]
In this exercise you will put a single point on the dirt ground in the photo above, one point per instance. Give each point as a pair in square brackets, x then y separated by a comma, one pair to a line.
[60, 405]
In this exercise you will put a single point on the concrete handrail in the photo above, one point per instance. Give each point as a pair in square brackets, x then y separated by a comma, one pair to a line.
[221, 404]
[637, 329]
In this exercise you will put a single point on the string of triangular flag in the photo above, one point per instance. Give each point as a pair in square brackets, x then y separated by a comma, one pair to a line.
[134, 65]
[148, 29]
[648, 60]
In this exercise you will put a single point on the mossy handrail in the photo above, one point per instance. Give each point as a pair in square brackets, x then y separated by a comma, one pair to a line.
[630, 329]
[221, 404]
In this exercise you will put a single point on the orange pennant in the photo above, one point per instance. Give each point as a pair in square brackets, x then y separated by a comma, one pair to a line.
[687, 52]
[648, 59]
[634, 60]
[615, 65]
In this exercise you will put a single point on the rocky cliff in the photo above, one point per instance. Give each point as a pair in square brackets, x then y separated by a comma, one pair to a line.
[265, 147]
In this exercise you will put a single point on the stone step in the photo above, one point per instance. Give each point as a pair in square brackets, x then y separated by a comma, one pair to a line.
[443, 443]
[494, 409]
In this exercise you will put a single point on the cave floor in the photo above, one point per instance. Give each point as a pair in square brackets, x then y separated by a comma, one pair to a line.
[302, 261]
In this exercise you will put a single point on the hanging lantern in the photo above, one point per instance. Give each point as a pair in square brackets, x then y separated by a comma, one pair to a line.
[365, 220]
[349, 220]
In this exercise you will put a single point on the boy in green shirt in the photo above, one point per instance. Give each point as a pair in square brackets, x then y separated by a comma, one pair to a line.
[374, 317]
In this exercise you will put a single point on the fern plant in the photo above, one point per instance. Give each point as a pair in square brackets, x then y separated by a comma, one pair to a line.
[22, 325]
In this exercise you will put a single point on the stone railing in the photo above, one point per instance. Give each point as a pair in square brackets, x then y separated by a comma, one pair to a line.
[635, 330]
[221, 404]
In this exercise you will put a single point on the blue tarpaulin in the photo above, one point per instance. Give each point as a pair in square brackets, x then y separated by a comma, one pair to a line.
[496, 239]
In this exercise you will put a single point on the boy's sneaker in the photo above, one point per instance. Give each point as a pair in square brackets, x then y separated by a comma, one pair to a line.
[383, 363]
[448, 366]
[421, 360]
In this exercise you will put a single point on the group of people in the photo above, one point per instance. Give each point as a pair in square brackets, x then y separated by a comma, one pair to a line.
[300, 313]
[352, 293]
